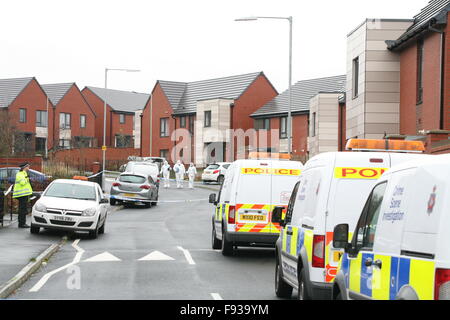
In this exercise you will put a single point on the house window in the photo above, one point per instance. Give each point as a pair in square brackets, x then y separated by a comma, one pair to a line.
[262, 124]
[313, 126]
[191, 125]
[283, 128]
[164, 127]
[64, 120]
[121, 118]
[41, 119]
[355, 83]
[420, 52]
[23, 115]
[182, 122]
[64, 143]
[163, 153]
[123, 141]
[40, 144]
[82, 121]
[207, 119]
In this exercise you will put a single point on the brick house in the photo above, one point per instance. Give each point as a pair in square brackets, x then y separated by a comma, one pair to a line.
[123, 115]
[315, 101]
[24, 103]
[208, 111]
[72, 118]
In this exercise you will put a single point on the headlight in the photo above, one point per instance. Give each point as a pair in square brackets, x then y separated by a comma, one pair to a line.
[89, 212]
[40, 207]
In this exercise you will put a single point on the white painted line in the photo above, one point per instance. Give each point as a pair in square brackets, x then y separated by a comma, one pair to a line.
[103, 257]
[187, 255]
[156, 256]
[216, 296]
[47, 276]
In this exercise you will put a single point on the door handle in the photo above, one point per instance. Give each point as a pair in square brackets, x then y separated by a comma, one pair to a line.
[368, 262]
[378, 264]
[289, 233]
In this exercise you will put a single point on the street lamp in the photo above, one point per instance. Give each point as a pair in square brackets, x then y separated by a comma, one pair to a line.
[289, 120]
[104, 109]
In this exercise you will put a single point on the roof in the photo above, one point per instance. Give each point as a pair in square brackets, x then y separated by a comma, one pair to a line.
[121, 101]
[302, 92]
[11, 88]
[57, 91]
[183, 96]
[434, 13]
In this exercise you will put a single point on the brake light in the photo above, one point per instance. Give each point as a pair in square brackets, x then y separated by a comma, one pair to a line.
[146, 187]
[442, 284]
[216, 172]
[116, 184]
[232, 215]
[318, 255]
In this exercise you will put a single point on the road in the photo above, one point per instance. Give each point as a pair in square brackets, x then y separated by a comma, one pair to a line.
[174, 242]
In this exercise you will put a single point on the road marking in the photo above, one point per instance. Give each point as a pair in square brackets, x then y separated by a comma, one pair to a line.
[48, 275]
[103, 257]
[187, 255]
[216, 296]
[156, 256]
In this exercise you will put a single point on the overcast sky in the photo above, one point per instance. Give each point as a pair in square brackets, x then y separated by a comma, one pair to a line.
[180, 40]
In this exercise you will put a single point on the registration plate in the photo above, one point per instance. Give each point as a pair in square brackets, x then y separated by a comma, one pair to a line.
[63, 218]
[252, 217]
[129, 195]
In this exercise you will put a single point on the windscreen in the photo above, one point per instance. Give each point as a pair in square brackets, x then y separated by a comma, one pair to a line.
[145, 168]
[213, 167]
[131, 179]
[71, 191]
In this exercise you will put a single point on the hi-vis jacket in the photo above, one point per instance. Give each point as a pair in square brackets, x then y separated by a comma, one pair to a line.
[22, 186]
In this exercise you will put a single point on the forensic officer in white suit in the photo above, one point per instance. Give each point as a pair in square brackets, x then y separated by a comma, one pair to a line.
[165, 171]
[180, 171]
[192, 172]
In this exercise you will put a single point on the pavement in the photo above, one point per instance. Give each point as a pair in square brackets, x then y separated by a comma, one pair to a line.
[160, 253]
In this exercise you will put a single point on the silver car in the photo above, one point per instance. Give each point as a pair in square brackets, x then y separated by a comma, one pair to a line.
[134, 188]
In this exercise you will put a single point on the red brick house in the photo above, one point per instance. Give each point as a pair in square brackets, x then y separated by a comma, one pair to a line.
[24, 103]
[73, 119]
[123, 119]
[208, 110]
[315, 101]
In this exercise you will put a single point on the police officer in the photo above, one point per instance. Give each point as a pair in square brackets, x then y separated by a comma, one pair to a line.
[22, 191]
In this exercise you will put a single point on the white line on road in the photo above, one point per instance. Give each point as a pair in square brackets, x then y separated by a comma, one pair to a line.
[216, 296]
[47, 276]
[187, 255]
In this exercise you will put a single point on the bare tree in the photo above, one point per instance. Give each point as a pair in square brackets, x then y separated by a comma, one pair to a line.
[8, 131]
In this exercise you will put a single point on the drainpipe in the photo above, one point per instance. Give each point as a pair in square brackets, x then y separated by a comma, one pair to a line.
[175, 138]
[140, 136]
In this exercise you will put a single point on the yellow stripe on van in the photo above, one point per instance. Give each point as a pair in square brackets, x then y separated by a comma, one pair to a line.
[421, 278]
[355, 274]
[284, 248]
[358, 173]
[381, 279]
[294, 239]
[309, 234]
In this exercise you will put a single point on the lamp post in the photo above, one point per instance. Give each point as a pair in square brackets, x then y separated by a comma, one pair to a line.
[104, 109]
[289, 119]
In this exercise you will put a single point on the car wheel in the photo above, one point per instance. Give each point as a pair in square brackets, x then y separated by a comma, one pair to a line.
[94, 233]
[220, 180]
[156, 200]
[148, 205]
[227, 246]
[216, 244]
[302, 292]
[102, 229]
[112, 202]
[282, 289]
[34, 229]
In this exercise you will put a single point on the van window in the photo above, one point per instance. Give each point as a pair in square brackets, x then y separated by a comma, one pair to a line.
[291, 217]
[367, 226]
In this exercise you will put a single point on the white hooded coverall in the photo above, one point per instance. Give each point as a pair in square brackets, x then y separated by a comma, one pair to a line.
[192, 172]
[165, 171]
[180, 171]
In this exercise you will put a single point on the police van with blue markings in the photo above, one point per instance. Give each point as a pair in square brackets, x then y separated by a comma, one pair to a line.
[400, 248]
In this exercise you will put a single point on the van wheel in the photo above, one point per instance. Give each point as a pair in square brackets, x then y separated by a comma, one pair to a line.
[216, 244]
[282, 289]
[302, 292]
[227, 246]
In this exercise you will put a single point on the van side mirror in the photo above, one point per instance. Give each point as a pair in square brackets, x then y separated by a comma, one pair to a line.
[212, 199]
[277, 216]
[340, 237]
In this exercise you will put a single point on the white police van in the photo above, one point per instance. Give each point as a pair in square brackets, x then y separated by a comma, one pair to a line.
[400, 247]
[332, 190]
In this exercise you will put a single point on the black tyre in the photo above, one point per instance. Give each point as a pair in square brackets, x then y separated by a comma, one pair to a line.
[102, 228]
[216, 243]
[148, 205]
[282, 289]
[34, 229]
[112, 202]
[156, 201]
[220, 180]
[302, 291]
[227, 246]
[94, 233]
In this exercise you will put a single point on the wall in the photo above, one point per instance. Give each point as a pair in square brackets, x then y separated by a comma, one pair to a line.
[446, 70]
[118, 128]
[98, 106]
[376, 110]
[35, 162]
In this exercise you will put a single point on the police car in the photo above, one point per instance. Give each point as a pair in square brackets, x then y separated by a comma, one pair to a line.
[400, 246]
[250, 191]
[331, 190]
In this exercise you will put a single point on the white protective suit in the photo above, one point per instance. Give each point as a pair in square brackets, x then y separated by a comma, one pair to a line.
[180, 171]
[165, 171]
[192, 172]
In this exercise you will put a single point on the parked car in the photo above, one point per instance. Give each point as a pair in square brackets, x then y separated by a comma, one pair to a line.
[215, 172]
[146, 168]
[71, 205]
[9, 175]
[134, 188]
